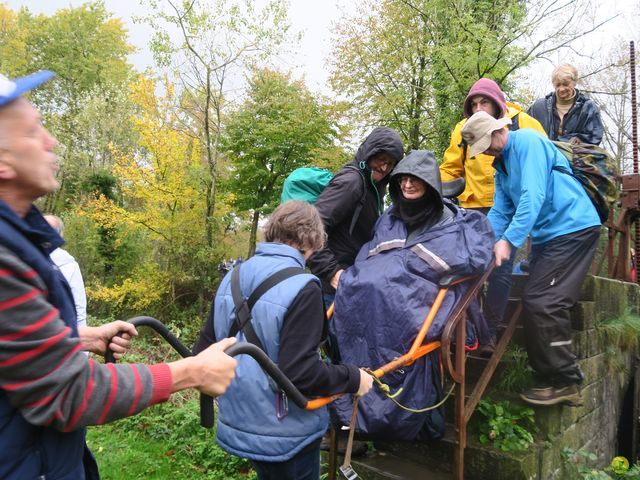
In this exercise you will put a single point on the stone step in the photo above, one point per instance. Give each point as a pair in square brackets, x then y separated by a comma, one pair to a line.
[482, 462]
[386, 466]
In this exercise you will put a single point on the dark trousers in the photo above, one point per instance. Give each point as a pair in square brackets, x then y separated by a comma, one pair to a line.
[499, 285]
[497, 294]
[304, 466]
[557, 269]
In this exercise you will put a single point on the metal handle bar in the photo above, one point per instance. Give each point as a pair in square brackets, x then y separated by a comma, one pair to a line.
[206, 402]
[161, 329]
[271, 369]
[243, 348]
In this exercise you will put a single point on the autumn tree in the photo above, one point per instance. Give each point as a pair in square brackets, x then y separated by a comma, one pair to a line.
[160, 198]
[280, 126]
[408, 64]
[13, 43]
[87, 48]
[207, 45]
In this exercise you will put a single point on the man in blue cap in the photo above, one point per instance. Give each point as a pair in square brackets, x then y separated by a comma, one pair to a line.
[50, 390]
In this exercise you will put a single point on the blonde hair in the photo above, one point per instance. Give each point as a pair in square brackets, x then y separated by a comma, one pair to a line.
[565, 71]
[297, 224]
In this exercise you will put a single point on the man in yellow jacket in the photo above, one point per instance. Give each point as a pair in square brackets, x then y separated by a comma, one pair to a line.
[478, 172]
[484, 95]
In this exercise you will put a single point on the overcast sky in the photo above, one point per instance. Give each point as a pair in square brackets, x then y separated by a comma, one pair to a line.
[314, 19]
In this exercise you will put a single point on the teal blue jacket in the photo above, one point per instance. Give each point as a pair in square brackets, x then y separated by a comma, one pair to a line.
[531, 198]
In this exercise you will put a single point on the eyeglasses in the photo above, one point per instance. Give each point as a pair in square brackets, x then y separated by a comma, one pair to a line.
[380, 162]
[407, 178]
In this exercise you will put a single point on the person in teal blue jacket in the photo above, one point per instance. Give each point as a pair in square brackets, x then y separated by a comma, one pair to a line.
[532, 198]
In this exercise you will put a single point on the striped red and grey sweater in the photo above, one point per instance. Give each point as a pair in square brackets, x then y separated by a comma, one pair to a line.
[43, 371]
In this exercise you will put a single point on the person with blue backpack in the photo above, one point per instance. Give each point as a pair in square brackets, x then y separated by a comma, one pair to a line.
[351, 204]
[537, 195]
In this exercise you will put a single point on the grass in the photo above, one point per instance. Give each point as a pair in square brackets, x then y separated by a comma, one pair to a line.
[517, 375]
[164, 442]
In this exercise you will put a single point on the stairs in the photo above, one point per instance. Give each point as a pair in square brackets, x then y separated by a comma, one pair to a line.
[592, 427]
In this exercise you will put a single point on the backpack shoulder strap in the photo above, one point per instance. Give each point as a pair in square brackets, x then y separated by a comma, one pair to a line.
[515, 122]
[561, 169]
[244, 306]
[358, 209]
[271, 281]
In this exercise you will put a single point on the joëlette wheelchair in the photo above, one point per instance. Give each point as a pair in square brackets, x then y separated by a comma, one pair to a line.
[451, 345]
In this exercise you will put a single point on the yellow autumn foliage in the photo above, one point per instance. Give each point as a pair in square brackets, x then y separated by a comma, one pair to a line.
[141, 292]
[160, 188]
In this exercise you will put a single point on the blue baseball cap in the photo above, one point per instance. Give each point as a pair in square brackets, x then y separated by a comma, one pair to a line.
[12, 89]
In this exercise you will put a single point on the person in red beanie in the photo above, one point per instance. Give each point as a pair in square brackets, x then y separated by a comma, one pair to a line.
[485, 95]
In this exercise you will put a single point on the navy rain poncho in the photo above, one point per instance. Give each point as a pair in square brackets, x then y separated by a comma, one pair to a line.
[383, 299]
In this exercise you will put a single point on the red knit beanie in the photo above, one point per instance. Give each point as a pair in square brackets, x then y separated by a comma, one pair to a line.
[487, 88]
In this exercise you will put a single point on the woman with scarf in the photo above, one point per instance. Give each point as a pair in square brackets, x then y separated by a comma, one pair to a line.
[382, 300]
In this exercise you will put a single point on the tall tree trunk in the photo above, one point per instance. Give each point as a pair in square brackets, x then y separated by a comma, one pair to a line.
[211, 163]
[254, 233]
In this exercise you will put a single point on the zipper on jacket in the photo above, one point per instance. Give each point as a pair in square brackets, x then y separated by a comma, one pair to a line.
[375, 189]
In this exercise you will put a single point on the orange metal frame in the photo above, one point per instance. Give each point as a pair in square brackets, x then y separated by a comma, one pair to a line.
[454, 363]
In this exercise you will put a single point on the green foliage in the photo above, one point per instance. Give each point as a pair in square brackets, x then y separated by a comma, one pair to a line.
[162, 442]
[277, 129]
[99, 183]
[85, 106]
[516, 375]
[623, 332]
[576, 465]
[281, 126]
[216, 41]
[507, 426]
[409, 64]
[416, 82]
[619, 334]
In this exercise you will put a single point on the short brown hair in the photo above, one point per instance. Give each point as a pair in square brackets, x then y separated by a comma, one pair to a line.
[296, 224]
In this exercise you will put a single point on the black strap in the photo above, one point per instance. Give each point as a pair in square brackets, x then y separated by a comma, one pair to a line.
[356, 212]
[244, 306]
[561, 169]
[515, 122]
[272, 281]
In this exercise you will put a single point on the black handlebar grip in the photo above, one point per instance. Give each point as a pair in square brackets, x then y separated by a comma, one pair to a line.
[270, 368]
[207, 412]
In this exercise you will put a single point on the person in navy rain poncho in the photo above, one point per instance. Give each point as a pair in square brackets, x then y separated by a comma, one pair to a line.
[383, 299]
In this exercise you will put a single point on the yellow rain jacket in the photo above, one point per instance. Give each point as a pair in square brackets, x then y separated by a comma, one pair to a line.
[478, 172]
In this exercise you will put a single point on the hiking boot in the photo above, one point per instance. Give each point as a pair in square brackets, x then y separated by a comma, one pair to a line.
[569, 394]
[359, 448]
